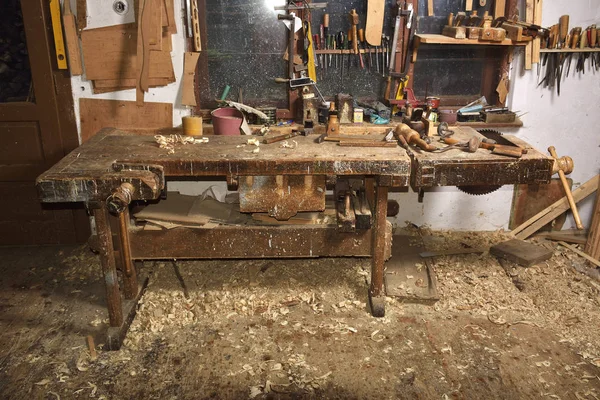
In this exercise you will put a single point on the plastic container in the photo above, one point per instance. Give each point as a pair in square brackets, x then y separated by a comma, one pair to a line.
[227, 121]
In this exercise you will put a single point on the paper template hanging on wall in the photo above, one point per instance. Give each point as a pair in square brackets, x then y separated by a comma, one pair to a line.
[109, 13]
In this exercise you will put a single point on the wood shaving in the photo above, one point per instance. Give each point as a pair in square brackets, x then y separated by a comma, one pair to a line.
[168, 142]
[286, 145]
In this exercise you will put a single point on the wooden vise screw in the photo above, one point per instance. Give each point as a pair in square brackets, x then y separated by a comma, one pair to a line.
[119, 200]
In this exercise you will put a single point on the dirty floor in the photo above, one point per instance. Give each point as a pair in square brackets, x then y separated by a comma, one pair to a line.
[295, 329]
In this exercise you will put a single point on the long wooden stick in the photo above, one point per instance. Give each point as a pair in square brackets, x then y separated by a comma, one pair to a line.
[534, 223]
[581, 253]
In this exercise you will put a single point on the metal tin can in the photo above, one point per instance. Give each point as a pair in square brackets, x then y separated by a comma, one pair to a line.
[358, 115]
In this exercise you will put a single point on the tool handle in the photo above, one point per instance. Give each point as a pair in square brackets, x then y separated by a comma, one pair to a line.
[388, 88]
[354, 22]
[568, 193]
[563, 29]
[450, 19]
[316, 42]
[326, 20]
[282, 80]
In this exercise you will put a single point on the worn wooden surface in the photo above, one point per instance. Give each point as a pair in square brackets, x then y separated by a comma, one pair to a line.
[521, 252]
[110, 53]
[534, 223]
[96, 114]
[247, 241]
[86, 173]
[528, 200]
[592, 246]
[457, 167]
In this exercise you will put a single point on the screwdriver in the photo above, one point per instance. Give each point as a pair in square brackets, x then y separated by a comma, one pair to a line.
[348, 47]
[322, 47]
[361, 42]
[326, 34]
[339, 40]
[330, 42]
[317, 44]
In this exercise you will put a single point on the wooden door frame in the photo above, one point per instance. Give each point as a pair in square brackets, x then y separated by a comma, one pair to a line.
[53, 106]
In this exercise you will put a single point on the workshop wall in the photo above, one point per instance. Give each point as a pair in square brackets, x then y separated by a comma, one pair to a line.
[82, 88]
[568, 122]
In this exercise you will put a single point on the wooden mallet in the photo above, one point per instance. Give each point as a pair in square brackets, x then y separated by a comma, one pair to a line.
[565, 184]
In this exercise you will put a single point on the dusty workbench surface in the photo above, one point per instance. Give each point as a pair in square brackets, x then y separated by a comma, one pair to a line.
[458, 167]
[86, 173]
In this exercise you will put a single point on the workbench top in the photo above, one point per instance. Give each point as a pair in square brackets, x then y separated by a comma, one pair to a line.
[461, 168]
[81, 175]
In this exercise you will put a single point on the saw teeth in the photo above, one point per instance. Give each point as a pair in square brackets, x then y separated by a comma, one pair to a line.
[479, 190]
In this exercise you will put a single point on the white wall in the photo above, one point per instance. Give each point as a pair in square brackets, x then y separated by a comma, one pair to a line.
[569, 122]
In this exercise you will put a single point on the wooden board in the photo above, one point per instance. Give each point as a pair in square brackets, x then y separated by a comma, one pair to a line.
[190, 60]
[73, 51]
[407, 275]
[528, 200]
[533, 224]
[153, 23]
[374, 24]
[499, 8]
[529, 10]
[196, 26]
[537, 19]
[170, 17]
[81, 15]
[114, 85]
[521, 252]
[592, 246]
[110, 53]
[570, 236]
[97, 114]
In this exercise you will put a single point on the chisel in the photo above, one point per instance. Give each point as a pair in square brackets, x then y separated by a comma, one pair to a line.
[326, 34]
[361, 37]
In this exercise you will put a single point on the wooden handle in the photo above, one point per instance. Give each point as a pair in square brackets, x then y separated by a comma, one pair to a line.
[563, 29]
[450, 19]
[388, 88]
[568, 193]
[326, 21]
[412, 137]
[575, 37]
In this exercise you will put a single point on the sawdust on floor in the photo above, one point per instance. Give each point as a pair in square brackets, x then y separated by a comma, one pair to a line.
[301, 329]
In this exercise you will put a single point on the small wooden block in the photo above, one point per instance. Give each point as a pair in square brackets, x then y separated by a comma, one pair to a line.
[521, 252]
[473, 32]
[456, 32]
[492, 34]
[190, 61]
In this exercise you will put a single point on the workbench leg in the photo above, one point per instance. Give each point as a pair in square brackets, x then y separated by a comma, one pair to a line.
[109, 270]
[130, 284]
[376, 290]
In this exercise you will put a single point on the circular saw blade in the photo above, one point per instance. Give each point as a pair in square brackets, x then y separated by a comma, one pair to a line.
[479, 190]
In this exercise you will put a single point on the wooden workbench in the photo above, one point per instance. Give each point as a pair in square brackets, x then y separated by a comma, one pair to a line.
[115, 168]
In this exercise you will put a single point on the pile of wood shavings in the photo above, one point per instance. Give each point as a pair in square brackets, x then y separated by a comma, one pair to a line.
[169, 142]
